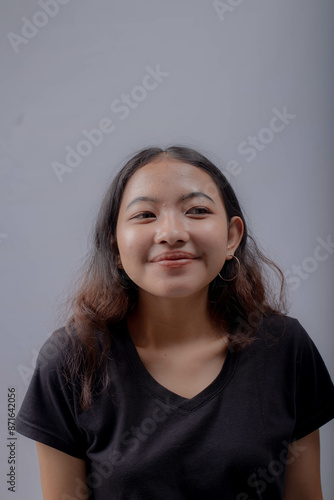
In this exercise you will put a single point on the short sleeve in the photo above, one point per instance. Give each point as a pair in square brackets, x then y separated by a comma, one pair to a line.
[314, 389]
[48, 413]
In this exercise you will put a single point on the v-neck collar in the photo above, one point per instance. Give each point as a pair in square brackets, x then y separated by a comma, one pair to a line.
[164, 394]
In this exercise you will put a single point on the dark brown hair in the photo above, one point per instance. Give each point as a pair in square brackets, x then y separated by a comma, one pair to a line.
[103, 295]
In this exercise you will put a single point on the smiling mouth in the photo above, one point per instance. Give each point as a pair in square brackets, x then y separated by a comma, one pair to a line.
[169, 256]
[174, 260]
[174, 263]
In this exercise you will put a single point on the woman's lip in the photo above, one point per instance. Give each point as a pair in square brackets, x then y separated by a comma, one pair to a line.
[174, 263]
[172, 256]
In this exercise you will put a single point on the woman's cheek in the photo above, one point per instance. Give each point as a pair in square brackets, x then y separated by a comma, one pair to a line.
[128, 240]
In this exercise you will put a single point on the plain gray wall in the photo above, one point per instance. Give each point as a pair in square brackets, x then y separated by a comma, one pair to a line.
[224, 79]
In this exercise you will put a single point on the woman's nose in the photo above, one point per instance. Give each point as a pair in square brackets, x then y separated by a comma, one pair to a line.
[171, 229]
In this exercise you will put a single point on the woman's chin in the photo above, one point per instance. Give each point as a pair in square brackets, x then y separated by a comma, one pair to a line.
[176, 292]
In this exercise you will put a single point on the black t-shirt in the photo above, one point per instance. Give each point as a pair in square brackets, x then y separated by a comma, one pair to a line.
[142, 441]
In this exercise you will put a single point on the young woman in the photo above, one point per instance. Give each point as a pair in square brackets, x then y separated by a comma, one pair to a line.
[178, 374]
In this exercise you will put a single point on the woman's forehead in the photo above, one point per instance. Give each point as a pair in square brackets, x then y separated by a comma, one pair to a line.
[171, 174]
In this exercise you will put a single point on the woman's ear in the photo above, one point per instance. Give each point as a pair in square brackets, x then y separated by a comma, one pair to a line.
[235, 234]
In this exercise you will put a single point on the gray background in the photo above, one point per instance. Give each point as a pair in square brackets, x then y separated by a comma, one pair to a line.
[226, 74]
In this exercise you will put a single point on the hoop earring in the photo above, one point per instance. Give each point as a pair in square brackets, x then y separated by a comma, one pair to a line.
[232, 279]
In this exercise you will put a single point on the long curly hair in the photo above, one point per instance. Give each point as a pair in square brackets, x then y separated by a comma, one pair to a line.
[102, 295]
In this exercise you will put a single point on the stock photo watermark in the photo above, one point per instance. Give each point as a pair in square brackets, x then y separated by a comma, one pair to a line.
[122, 107]
[11, 440]
[26, 372]
[40, 19]
[310, 264]
[3, 236]
[130, 439]
[47, 353]
[264, 476]
[254, 144]
[223, 8]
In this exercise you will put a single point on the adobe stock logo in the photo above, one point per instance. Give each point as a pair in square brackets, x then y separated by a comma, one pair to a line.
[39, 20]
[254, 144]
[130, 441]
[225, 7]
[279, 121]
[3, 236]
[310, 264]
[122, 107]
[264, 476]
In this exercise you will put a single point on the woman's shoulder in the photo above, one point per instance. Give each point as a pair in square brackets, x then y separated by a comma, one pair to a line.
[283, 344]
[279, 321]
[56, 347]
[65, 351]
[282, 330]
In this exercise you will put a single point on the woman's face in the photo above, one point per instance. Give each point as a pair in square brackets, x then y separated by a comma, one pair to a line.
[172, 230]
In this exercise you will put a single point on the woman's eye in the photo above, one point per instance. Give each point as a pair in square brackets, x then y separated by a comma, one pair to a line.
[143, 215]
[199, 211]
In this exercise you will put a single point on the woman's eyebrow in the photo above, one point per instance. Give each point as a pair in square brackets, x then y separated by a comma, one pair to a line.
[142, 198]
[183, 197]
[195, 194]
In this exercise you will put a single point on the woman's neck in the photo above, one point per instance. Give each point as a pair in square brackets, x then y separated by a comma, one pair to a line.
[163, 322]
